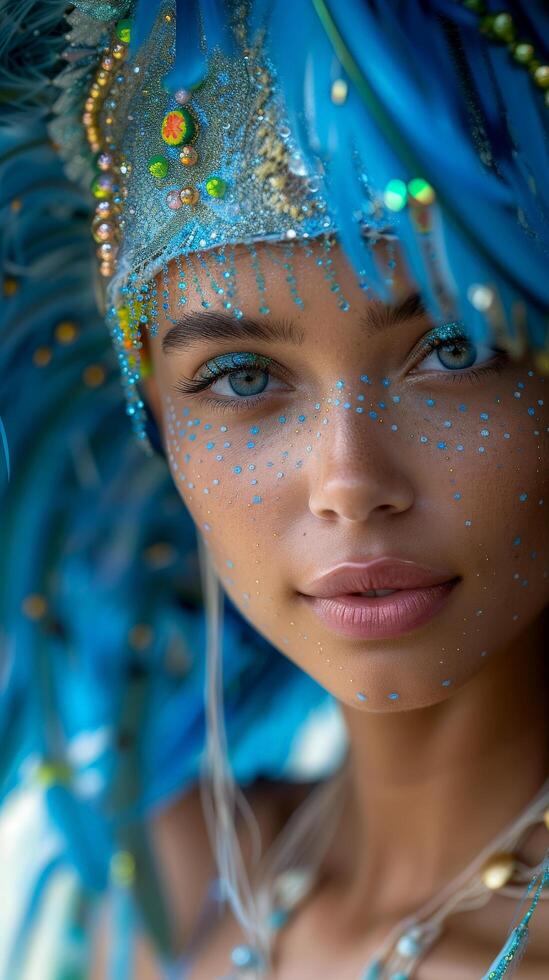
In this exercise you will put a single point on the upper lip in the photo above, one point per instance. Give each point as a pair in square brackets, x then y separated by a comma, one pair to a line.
[381, 573]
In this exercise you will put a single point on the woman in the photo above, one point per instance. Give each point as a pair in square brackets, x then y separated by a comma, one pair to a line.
[365, 453]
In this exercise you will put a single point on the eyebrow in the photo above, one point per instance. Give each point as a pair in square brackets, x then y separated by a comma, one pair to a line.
[202, 325]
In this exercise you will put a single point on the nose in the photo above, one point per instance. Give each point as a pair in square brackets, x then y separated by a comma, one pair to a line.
[357, 470]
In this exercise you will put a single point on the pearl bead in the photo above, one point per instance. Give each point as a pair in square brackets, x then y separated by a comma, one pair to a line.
[173, 200]
[541, 76]
[182, 96]
[188, 156]
[106, 269]
[245, 957]
[497, 871]
[105, 161]
[103, 232]
[189, 195]
[408, 945]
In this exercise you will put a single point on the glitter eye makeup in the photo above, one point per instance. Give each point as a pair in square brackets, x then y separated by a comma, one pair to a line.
[247, 373]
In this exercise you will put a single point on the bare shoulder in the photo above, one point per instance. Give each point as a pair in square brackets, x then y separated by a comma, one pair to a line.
[186, 864]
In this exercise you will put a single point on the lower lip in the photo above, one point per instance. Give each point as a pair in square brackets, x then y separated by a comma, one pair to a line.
[390, 615]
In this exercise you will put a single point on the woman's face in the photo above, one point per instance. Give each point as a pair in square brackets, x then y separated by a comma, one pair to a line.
[344, 436]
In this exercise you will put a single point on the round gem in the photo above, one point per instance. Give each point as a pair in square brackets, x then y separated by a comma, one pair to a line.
[395, 195]
[103, 231]
[158, 166]
[178, 126]
[124, 31]
[188, 156]
[216, 186]
[104, 161]
[102, 186]
[182, 96]
[541, 76]
[523, 53]
[408, 945]
[173, 200]
[245, 957]
[421, 191]
[497, 871]
[188, 195]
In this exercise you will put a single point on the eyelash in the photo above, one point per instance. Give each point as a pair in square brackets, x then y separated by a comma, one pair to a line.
[193, 386]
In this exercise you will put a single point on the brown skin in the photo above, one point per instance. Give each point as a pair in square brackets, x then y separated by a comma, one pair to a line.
[438, 772]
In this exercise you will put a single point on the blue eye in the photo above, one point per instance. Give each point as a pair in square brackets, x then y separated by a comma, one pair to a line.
[239, 377]
[450, 348]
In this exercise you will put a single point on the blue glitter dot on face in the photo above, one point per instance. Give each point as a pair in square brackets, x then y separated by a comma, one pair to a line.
[523, 497]
[506, 435]
[457, 496]
[381, 405]
[256, 500]
[442, 445]
[346, 405]
[359, 410]
[301, 418]
[250, 444]
[462, 408]
[394, 427]
[484, 416]
[230, 564]
[423, 439]
[361, 696]
[396, 399]
[208, 425]
[223, 428]
[237, 469]
[340, 384]
[485, 433]
[447, 424]
[282, 419]
[531, 411]
[360, 398]
[210, 445]
[373, 415]
[386, 382]
[446, 683]
[393, 696]
[254, 430]
[516, 542]
[459, 447]
[365, 379]
[430, 402]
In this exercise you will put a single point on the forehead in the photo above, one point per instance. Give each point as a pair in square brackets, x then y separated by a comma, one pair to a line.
[295, 281]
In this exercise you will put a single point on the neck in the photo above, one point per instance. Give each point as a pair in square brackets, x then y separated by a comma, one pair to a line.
[430, 788]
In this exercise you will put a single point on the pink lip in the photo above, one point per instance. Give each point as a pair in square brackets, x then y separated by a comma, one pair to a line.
[422, 593]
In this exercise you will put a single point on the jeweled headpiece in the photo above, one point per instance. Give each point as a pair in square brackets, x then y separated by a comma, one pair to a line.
[192, 140]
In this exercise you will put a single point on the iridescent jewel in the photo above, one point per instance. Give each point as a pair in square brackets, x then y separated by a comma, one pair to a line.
[408, 945]
[188, 156]
[107, 251]
[158, 166]
[421, 191]
[182, 96]
[102, 186]
[104, 161]
[189, 195]
[173, 200]
[541, 76]
[106, 268]
[373, 971]
[216, 186]
[395, 195]
[246, 957]
[103, 231]
[278, 918]
[123, 31]
[178, 126]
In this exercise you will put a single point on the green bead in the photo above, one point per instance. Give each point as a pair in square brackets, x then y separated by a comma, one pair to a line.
[541, 76]
[523, 52]
[503, 27]
[477, 6]
[124, 31]
[216, 186]
[158, 166]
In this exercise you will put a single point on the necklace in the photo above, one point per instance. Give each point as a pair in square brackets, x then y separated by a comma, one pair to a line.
[495, 869]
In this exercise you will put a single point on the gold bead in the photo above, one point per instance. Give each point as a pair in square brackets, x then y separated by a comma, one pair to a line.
[188, 195]
[11, 286]
[106, 269]
[65, 332]
[34, 606]
[94, 375]
[41, 356]
[541, 76]
[188, 156]
[119, 51]
[497, 871]
[339, 91]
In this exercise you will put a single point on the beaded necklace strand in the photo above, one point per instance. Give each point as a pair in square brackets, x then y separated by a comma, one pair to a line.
[495, 869]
